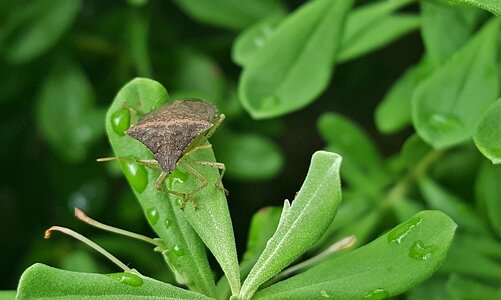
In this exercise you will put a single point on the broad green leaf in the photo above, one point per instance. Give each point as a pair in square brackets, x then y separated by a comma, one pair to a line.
[66, 113]
[464, 288]
[465, 259]
[301, 224]
[388, 266]
[371, 26]
[488, 133]
[230, 14]
[8, 295]
[439, 198]
[414, 150]
[253, 38]
[248, 156]
[448, 104]
[445, 28]
[494, 6]
[393, 113]
[296, 63]
[198, 76]
[184, 251]
[138, 31]
[488, 192]
[32, 30]
[263, 225]
[43, 282]
[378, 35]
[362, 165]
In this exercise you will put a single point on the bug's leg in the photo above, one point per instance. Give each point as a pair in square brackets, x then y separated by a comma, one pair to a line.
[200, 178]
[214, 127]
[160, 185]
[197, 148]
[150, 163]
[219, 166]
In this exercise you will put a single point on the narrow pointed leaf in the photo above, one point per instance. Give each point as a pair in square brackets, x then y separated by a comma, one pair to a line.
[448, 104]
[404, 257]
[185, 252]
[488, 192]
[43, 282]
[302, 224]
[488, 133]
[280, 79]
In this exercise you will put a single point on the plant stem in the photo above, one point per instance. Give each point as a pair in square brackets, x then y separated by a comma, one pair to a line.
[95, 246]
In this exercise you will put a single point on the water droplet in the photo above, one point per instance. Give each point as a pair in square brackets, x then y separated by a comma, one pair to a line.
[324, 294]
[127, 278]
[136, 175]
[177, 177]
[120, 121]
[270, 102]
[398, 234]
[444, 123]
[377, 294]
[152, 215]
[420, 251]
[178, 250]
[167, 223]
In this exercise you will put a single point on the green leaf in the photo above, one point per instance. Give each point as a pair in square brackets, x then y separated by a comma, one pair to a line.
[488, 133]
[185, 252]
[362, 165]
[431, 289]
[198, 76]
[66, 113]
[448, 104]
[414, 150]
[438, 18]
[42, 282]
[488, 192]
[138, 31]
[248, 156]
[388, 266]
[211, 220]
[263, 225]
[8, 295]
[279, 79]
[302, 224]
[439, 198]
[371, 26]
[394, 112]
[494, 6]
[464, 288]
[253, 38]
[230, 14]
[32, 30]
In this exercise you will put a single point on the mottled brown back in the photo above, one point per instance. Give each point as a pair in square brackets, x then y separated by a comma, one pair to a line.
[169, 130]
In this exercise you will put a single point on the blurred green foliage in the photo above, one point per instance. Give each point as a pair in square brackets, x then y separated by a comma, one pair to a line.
[62, 62]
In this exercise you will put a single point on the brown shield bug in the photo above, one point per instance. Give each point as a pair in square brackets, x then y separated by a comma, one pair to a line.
[174, 131]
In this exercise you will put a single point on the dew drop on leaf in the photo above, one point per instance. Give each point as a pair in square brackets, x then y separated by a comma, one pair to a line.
[127, 278]
[167, 223]
[136, 175]
[152, 215]
[270, 102]
[419, 251]
[444, 123]
[398, 234]
[177, 177]
[377, 294]
[178, 251]
[120, 121]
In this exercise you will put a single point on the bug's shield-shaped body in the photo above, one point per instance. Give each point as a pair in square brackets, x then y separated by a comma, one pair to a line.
[171, 129]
